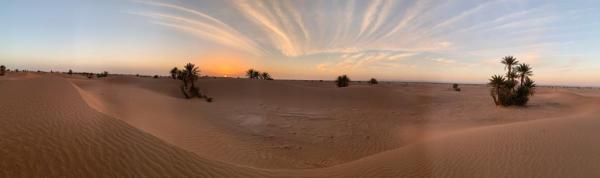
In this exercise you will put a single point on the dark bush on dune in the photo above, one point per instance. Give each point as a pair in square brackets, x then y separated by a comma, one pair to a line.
[373, 81]
[507, 91]
[155, 76]
[342, 81]
[2, 70]
[103, 74]
[70, 72]
[455, 87]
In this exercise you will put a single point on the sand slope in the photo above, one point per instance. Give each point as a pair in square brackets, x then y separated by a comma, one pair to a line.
[79, 128]
[303, 124]
[47, 130]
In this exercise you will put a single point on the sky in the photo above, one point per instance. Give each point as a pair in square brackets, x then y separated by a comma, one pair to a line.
[396, 40]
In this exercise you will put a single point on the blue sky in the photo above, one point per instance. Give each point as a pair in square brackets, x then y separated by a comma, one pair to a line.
[426, 40]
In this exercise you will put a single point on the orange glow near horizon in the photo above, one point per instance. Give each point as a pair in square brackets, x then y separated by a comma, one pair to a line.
[222, 64]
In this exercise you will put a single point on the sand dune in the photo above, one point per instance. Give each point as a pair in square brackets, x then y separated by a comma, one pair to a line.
[74, 127]
[47, 130]
[287, 124]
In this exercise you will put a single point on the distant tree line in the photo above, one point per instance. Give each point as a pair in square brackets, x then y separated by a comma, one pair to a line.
[344, 81]
[254, 74]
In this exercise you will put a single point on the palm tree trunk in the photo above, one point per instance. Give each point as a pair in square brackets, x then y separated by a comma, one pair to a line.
[522, 77]
[498, 96]
[494, 97]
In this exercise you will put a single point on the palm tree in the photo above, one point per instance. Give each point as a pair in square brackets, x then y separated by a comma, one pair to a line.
[191, 73]
[524, 71]
[266, 76]
[496, 82]
[530, 84]
[182, 76]
[2, 69]
[509, 61]
[250, 73]
[174, 72]
[511, 79]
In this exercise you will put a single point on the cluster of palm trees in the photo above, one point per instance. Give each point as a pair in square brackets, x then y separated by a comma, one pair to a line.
[2, 70]
[255, 74]
[342, 81]
[515, 87]
[188, 75]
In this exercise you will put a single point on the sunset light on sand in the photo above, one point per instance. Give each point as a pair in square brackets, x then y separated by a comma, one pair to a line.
[299, 88]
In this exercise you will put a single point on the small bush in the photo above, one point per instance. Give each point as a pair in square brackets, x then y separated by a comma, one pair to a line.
[373, 81]
[70, 72]
[209, 99]
[455, 87]
[103, 74]
[342, 81]
[155, 76]
[2, 70]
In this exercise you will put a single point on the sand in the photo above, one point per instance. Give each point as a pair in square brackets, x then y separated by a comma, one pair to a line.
[58, 125]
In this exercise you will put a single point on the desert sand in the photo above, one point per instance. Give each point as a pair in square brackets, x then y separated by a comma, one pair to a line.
[57, 125]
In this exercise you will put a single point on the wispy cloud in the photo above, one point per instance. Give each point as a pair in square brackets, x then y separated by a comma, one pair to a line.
[256, 11]
[443, 61]
[365, 60]
[360, 33]
[203, 26]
